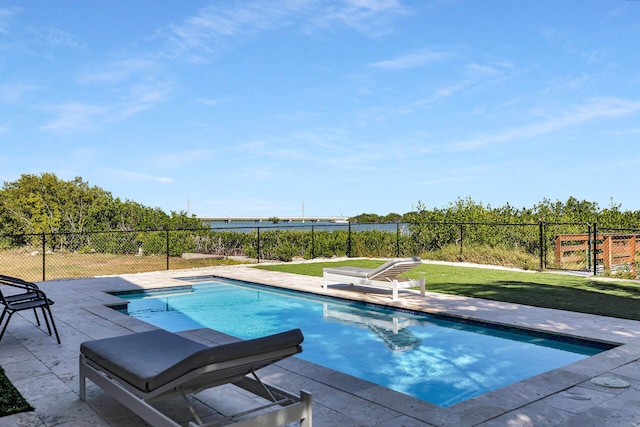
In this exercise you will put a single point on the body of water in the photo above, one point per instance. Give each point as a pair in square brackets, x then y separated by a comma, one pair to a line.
[248, 226]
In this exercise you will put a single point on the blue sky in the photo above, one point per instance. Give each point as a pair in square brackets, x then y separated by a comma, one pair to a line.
[261, 107]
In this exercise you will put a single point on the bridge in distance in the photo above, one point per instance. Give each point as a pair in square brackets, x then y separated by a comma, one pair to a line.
[336, 219]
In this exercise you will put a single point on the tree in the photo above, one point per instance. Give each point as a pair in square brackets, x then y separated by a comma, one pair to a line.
[392, 217]
[45, 204]
[365, 218]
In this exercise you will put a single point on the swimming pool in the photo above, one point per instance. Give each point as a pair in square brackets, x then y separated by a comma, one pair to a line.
[437, 359]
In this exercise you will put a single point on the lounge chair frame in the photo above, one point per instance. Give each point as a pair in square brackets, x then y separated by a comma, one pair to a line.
[31, 299]
[386, 276]
[291, 408]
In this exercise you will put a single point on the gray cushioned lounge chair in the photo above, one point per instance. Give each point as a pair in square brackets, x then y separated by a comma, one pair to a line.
[385, 276]
[141, 368]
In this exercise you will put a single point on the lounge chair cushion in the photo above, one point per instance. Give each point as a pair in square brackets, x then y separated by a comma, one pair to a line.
[387, 271]
[349, 271]
[148, 360]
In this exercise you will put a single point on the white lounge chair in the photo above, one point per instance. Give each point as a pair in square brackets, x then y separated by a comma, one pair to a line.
[151, 366]
[385, 276]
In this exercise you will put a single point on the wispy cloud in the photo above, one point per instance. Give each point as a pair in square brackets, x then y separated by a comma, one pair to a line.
[370, 17]
[439, 94]
[211, 102]
[15, 92]
[141, 97]
[456, 176]
[5, 16]
[593, 109]
[307, 144]
[59, 38]
[180, 159]
[131, 176]
[414, 60]
[134, 80]
[317, 147]
[117, 71]
[479, 71]
[561, 40]
[48, 35]
[216, 26]
[73, 116]
[472, 76]
[206, 32]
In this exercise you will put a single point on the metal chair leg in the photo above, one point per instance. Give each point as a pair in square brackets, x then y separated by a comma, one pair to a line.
[53, 323]
[46, 321]
[6, 324]
[35, 312]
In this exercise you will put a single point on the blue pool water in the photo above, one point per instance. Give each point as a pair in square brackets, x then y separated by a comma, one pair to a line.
[439, 360]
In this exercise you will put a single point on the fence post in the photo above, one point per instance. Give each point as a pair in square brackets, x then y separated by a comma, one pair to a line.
[166, 231]
[44, 256]
[397, 240]
[595, 248]
[589, 247]
[460, 235]
[541, 243]
[313, 255]
[349, 242]
[258, 246]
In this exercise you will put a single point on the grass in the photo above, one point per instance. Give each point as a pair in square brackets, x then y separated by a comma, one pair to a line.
[69, 265]
[11, 401]
[606, 297]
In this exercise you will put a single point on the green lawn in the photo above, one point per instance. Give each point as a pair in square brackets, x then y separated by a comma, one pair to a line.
[11, 401]
[607, 297]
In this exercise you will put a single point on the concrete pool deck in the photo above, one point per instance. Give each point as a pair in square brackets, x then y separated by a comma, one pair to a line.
[46, 373]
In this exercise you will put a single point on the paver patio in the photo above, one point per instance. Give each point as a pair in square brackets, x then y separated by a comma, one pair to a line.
[47, 373]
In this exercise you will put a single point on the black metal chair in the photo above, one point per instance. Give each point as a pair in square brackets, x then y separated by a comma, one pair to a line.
[31, 299]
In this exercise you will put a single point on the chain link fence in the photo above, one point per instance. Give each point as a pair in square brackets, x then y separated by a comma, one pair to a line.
[577, 247]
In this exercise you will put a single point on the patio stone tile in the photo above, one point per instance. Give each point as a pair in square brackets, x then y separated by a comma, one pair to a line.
[12, 351]
[62, 408]
[338, 400]
[24, 369]
[24, 419]
[533, 389]
[93, 327]
[560, 401]
[346, 383]
[402, 403]
[92, 421]
[403, 421]
[535, 415]
[633, 383]
[225, 400]
[629, 371]
[617, 412]
[467, 413]
[326, 416]
[604, 361]
[54, 354]
[106, 406]
[33, 386]
[66, 370]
